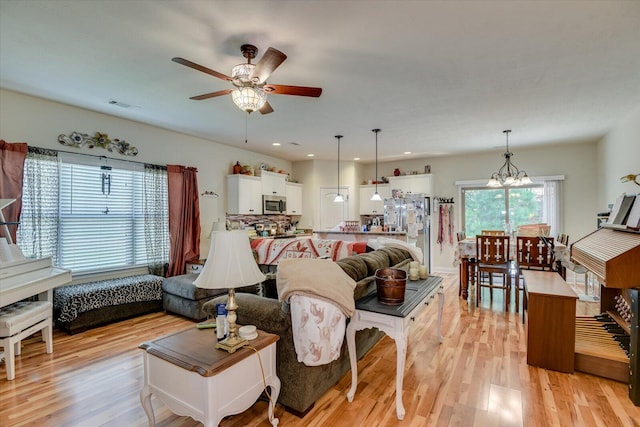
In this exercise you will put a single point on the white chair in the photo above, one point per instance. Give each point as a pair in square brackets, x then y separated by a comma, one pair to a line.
[20, 320]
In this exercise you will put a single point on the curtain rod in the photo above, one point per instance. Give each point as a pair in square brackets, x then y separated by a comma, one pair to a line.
[32, 147]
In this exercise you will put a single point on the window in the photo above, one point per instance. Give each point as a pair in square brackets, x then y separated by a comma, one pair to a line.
[507, 208]
[104, 214]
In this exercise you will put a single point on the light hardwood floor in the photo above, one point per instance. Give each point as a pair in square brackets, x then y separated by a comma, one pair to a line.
[477, 377]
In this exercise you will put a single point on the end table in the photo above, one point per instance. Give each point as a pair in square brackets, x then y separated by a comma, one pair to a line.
[192, 378]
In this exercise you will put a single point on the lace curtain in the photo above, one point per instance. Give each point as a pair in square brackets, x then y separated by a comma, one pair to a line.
[552, 206]
[38, 230]
[156, 217]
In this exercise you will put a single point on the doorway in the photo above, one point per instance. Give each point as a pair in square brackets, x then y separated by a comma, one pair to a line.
[332, 213]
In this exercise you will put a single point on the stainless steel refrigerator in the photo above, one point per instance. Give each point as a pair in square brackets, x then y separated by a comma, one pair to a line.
[411, 214]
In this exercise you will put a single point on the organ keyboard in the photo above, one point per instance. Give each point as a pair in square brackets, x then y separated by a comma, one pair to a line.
[608, 345]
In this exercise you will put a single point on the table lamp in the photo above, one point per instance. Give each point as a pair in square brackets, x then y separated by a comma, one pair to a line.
[230, 264]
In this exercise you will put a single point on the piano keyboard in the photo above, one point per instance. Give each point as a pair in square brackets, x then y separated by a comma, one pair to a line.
[602, 348]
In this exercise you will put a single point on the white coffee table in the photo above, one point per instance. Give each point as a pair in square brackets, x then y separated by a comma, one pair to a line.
[193, 378]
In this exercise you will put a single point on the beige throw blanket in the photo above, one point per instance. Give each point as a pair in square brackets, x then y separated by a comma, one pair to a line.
[321, 296]
[320, 278]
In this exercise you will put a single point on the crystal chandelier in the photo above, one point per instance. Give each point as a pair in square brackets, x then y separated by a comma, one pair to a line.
[508, 174]
[339, 197]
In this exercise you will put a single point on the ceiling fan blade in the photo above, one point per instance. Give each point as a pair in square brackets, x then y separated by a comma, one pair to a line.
[266, 108]
[269, 62]
[201, 68]
[293, 90]
[211, 95]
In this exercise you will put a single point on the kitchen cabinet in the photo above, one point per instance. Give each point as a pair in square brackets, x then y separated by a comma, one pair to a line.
[244, 195]
[294, 198]
[274, 184]
[370, 207]
[420, 183]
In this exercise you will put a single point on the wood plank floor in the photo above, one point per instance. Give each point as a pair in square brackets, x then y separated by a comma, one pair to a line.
[477, 377]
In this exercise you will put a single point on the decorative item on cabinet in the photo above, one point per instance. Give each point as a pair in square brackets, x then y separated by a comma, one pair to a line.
[396, 172]
[237, 168]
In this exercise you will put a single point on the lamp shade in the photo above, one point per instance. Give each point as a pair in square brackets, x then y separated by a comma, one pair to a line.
[230, 263]
[249, 99]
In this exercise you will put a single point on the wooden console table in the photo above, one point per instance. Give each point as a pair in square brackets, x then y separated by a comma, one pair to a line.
[551, 320]
[393, 320]
[192, 378]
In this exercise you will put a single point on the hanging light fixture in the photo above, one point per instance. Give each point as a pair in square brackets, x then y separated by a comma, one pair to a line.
[376, 196]
[247, 97]
[339, 197]
[508, 174]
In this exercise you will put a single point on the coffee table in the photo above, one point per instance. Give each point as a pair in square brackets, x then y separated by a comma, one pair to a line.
[393, 320]
[193, 378]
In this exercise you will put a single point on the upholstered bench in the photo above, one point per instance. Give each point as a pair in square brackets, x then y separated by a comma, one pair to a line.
[17, 322]
[84, 306]
[181, 296]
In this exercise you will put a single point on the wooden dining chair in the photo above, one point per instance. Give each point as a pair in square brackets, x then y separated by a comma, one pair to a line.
[492, 255]
[493, 232]
[532, 253]
[470, 264]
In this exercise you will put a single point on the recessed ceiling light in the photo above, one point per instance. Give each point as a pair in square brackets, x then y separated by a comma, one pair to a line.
[356, 158]
[310, 155]
[276, 144]
[407, 152]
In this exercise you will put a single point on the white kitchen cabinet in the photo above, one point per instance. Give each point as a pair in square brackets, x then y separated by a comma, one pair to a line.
[420, 183]
[294, 198]
[244, 195]
[369, 207]
[274, 184]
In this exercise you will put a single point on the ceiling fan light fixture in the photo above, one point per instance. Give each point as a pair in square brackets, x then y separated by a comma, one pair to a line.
[249, 99]
[242, 71]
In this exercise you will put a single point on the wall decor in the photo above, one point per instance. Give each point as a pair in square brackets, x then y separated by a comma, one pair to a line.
[102, 140]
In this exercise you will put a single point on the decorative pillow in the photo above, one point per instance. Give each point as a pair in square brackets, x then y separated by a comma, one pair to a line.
[396, 255]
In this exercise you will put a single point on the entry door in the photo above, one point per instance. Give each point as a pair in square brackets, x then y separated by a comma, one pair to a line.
[332, 213]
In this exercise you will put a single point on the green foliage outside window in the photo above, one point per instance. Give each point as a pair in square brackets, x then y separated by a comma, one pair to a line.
[494, 208]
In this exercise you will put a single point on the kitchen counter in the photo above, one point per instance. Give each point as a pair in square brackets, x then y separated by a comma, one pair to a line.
[359, 236]
[283, 236]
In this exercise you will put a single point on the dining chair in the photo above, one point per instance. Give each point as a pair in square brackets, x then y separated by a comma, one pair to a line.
[493, 232]
[532, 253]
[492, 255]
[471, 265]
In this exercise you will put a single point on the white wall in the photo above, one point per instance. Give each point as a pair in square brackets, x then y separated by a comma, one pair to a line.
[619, 155]
[38, 122]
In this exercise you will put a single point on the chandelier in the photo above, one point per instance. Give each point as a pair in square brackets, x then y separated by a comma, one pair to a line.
[508, 174]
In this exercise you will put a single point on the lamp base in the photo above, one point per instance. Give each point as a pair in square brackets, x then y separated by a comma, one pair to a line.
[231, 344]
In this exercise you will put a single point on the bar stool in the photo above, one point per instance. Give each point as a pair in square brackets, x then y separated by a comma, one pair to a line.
[20, 320]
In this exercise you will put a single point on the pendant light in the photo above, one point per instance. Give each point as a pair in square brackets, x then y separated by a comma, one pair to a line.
[339, 197]
[376, 196]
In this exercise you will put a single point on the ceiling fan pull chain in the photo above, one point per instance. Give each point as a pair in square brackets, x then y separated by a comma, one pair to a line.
[246, 118]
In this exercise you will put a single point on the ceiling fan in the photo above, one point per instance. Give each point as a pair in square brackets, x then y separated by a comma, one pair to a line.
[250, 80]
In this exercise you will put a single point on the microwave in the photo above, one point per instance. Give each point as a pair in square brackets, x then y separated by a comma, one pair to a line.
[274, 205]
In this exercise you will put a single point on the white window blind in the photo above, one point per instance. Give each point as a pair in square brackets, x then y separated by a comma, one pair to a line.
[101, 215]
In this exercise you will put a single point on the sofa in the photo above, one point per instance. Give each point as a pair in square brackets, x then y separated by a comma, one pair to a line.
[302, 385]
[181, 296]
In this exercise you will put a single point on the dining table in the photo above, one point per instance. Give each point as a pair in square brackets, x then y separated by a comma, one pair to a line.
[466, 250]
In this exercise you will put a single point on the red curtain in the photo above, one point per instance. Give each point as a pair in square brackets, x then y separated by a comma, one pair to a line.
[12, 156]
[184, 218]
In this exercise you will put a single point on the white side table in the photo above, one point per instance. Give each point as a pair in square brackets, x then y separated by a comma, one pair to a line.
[393, 321]
[192, 378]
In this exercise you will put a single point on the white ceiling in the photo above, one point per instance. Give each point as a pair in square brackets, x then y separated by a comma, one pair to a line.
[438, 77]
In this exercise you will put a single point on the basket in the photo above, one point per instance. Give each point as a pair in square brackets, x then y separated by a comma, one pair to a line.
[390, 285]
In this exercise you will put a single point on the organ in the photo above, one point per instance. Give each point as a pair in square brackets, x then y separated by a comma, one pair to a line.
[608, 344]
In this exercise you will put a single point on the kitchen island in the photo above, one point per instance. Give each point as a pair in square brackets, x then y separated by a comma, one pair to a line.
[359, 236]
